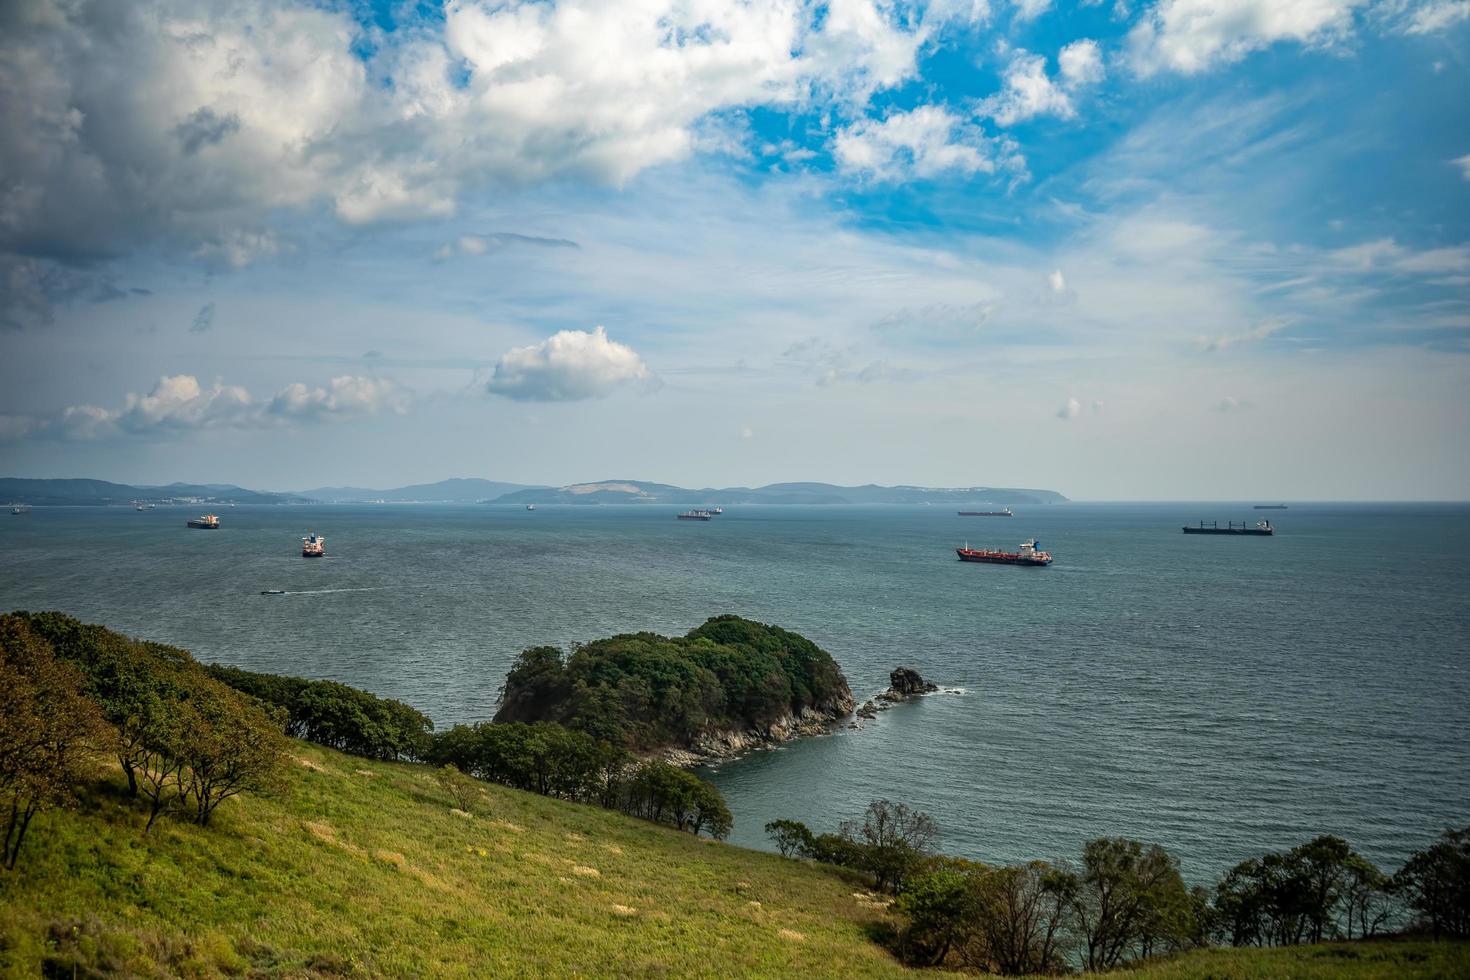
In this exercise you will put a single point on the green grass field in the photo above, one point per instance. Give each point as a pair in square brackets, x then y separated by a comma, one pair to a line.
[362, 868]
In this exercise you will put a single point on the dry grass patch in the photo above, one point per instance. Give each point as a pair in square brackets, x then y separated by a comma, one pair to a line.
[624, 910]
[791, 935]
[585, 871]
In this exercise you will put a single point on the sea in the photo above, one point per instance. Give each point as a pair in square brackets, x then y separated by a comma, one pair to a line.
[1221, 696]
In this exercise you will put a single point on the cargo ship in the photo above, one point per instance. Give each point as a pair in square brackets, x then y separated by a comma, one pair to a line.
[209, 522]
[1004, 512]
[1270, 507]
[696, 515]
[1029, 554]
[1231, 527]
[313, 545]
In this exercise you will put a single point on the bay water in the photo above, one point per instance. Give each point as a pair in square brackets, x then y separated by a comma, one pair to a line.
[1219, 695]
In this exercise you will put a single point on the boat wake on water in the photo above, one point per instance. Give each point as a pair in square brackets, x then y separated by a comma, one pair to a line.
[368, 588]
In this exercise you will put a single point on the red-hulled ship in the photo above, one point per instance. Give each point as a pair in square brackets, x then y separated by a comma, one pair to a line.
[1028, 555]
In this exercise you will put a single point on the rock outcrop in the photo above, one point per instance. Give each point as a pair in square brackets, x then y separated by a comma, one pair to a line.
[904, 684]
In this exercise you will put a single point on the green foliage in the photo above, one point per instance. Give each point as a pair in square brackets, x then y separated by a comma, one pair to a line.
[892, 839]
[49, 731]
[941, 905]
[550, 760]
[1319, 890]
[1129, 901]
[645, 691]
[791, 837]
[337, 716]
[1435, 884]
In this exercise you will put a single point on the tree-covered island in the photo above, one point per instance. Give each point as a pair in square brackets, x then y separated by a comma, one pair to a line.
[721, 689]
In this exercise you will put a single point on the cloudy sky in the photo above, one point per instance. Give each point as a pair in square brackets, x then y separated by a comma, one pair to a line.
[1121, 248]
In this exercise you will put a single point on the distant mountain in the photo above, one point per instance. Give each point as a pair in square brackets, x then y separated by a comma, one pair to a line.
[51, 493]
[639, 492]
[456, 491]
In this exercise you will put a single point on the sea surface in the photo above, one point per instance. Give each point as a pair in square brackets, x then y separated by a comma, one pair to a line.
[1221, 696]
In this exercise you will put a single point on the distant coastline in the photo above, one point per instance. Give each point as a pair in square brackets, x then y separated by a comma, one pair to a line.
[85, 492]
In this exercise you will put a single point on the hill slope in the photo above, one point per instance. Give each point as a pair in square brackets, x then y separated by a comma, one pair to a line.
[361, 868]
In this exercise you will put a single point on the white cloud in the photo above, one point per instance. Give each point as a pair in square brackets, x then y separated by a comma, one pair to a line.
[179, 402]
[1436, 15]
[1057, 282]
[1265, 328]
[1464, 164]
[345, 396]
[1031, 9]
[1386, 254]
[1230, 404]
[197, 123]
[1081, 63]
[568, 366]
[1069, 410]
[923, 142]
[1027, 90]
[1190, 36]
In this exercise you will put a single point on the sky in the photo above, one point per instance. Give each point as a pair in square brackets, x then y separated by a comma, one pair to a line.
[1179, 249]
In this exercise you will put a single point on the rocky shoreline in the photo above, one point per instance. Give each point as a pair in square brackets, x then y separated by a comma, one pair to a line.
[904, 684]
[722, 746]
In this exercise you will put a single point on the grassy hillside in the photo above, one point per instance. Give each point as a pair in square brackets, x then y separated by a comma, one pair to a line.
[360, 867]
[363, 868]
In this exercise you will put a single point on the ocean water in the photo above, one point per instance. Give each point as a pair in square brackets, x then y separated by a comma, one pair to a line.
[1221, 696]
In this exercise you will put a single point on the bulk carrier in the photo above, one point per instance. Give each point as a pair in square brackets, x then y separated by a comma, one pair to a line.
[313, 545]
[1231, 527]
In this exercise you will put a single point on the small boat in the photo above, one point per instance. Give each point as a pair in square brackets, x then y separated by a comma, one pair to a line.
[696, 515]
[717, 510]
[138, 505]
[207, 522]
[1003, 512]
[313, 545]
[19, 509]
[272, 591]
[1028, 554]
[1262, 528]
[530, 507]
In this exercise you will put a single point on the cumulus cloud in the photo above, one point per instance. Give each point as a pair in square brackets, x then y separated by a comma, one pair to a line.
[924, 142]
[1081, 63]
[1464, 164]
[1027, 90]
[1057, 281]
[1069, 410]
[568, 366]
[232, 110]
[180, 403]
[1190, 36]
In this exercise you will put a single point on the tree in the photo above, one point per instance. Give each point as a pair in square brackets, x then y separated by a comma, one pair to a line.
[710, 812]
[1020, 914]
[791, 837]
[459, 787]
[1435, 884]
[941, 905]
[49, 731]
[228, 745]
[894, 838]
[1129, 899]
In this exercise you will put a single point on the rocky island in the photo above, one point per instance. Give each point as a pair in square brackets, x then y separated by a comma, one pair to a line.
[904, 684]
[719, 691]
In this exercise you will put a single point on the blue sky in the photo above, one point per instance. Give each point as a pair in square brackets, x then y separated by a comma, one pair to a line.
[1120, 249]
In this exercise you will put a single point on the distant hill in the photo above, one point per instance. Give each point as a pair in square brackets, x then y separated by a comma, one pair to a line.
[639, 492]
[53, 493]
[456, 491]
